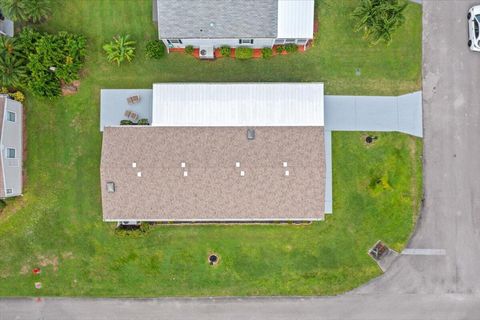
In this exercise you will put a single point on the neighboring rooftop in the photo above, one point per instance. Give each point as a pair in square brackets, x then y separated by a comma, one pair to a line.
[235, 18]
[11, 137]
[237, 104]
[192, 173]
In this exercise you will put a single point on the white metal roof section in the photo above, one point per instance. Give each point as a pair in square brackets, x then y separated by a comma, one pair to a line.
[237, 104]
[295, 18]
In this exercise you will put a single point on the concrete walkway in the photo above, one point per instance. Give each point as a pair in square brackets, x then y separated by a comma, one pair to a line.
[368, 113]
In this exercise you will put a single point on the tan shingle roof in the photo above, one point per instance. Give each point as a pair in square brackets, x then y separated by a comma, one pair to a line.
[213, 189]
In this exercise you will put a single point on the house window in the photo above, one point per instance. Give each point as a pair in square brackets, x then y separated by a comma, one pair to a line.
[302, 41]
[11, 153]
[279, 41]
[11, 116]
[289, 40]
[174, 41]
[9, 191]
[245, 41]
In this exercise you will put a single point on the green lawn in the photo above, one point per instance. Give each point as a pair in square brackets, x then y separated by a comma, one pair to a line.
[57, 224]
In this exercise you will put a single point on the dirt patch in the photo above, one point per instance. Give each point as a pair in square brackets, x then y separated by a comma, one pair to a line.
[24, 270]
[44, 261]
[69, 89]
[67, 255]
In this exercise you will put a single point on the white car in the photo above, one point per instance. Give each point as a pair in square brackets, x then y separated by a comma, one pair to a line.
[473, 17]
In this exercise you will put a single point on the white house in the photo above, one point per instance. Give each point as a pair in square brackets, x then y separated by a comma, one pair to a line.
[11, 147]
[210, 24]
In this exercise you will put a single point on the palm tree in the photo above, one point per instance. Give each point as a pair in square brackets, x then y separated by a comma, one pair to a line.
[38, 10]
[12, 71]
[378, 19]
[15, 10]
[120, 49]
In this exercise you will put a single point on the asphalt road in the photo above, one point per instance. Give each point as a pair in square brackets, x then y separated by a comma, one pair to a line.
[417, 286]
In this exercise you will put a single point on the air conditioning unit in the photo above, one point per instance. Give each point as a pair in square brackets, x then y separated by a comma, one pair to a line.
[206, 53]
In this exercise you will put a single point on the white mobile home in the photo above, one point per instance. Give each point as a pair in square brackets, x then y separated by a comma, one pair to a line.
[248, 23]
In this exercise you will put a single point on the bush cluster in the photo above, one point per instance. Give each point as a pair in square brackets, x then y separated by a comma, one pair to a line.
[267, 53]
[225, 51]
[41, 62]
[291, 48]
[140, 122]
[244, 53]
[154, 49]
[143, 122]
[189, 49]
[280, 49]
[17, 96]
[126, 123]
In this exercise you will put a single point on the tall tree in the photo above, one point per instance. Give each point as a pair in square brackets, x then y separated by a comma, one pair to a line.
[15, 10]
[12, 64]
[38, 10]
[379, 19]
[12, 71]
[26, 10]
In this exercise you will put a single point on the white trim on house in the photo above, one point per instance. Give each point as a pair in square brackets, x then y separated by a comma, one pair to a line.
[237, 104]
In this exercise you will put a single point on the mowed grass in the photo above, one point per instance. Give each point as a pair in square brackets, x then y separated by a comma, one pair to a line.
[58, 226]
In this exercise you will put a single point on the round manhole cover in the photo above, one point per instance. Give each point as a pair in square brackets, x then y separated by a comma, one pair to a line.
[213, 259]
[203, 52]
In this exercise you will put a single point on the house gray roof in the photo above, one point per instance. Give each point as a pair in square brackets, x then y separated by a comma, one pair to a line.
[213, 188]
[217, 18]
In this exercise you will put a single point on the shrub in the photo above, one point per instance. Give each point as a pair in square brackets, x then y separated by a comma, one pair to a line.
[189, 49]
[126, 123]
[143, 122]
[244, 53]
[280, 49]
[155, 49]
[379, 19]
[291, 48]
[17, 96]
[267, 53]
[26, 10]
[225, 51]
[54, 59]
[120, 49]
[3, 90]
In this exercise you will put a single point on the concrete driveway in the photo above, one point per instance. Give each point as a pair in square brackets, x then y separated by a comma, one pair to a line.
[417, 286]
[368, 113]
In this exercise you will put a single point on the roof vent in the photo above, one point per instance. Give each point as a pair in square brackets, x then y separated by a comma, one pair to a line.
[242, 173]
[237, 164]
[287, 173]
[183, 164]
[251, 134]
[110, 187]
[285, 164]
[139, 173]
[134, 164]
[185, 173]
